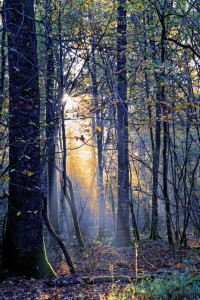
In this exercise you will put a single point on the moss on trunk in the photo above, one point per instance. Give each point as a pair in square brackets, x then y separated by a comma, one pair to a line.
[33, 264]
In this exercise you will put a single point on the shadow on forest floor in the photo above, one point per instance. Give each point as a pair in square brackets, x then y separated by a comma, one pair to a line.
[154, 261]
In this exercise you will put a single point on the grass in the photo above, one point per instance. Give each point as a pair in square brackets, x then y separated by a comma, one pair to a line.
[174, 286]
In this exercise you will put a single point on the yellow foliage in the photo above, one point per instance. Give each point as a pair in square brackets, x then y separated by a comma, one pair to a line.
[99, 128]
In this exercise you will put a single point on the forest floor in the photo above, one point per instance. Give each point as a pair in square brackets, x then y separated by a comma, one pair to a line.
[153, 259]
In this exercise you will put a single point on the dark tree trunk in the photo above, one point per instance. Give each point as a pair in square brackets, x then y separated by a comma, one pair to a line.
[56, 237]
[122, 236]
[51, 126]
[67, 185]
[156, 163]
[101, 230]
[3, 66]
[165, 181]
[147, 221]
[23, 245]
[156, 150]
[165, 138]
[134, 223]
[174, 168]
[72, 205]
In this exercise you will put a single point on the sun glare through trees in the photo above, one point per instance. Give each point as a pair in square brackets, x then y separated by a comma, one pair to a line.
[100, 149]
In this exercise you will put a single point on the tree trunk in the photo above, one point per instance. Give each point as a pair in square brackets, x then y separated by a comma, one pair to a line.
[68, 185]
[3, 67]
[99, 133]
[122, 235]
[56, 237]
[51, 125]
[165, 182]
[23, 245]
[134, 223]
[165, 137]
[156, 151]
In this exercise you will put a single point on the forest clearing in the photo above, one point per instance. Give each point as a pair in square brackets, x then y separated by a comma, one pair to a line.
[100, 149]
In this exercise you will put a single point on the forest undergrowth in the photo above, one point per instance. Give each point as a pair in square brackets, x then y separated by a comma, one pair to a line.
[150, 270]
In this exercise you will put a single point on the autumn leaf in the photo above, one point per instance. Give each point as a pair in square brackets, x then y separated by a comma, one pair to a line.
[85, 254]
[5, 177]
[27, 172]
[99, 128]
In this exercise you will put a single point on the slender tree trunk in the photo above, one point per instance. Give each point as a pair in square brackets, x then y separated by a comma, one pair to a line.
[72, 205]
[134, 223]
[51, 125]
[156, 163]
[165, 136]
[122, 236]
[23, 245]
[165, 181]
[113, 206]
[99, 133]
[147, 90]
[147, 222]
[174, 167]
[56, 237]
[67, 185]
[3, 66]
[156, 151]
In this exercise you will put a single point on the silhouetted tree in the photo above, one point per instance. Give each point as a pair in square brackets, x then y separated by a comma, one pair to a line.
[23, 245]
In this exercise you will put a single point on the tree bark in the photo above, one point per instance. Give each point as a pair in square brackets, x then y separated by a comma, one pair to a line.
[23, 245]
[122, 236]
[165, 137]
[51, 126]
[3, 66]
[156, 150]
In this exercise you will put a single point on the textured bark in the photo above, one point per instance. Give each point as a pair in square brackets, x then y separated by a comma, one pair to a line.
[23, 246]
[122, 236]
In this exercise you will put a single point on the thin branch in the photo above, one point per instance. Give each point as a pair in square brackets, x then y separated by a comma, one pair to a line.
[184, 46]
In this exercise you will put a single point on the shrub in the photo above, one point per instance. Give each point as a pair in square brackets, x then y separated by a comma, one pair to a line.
[174, 286]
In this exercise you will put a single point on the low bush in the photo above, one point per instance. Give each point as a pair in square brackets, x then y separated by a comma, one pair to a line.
[174, 286]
